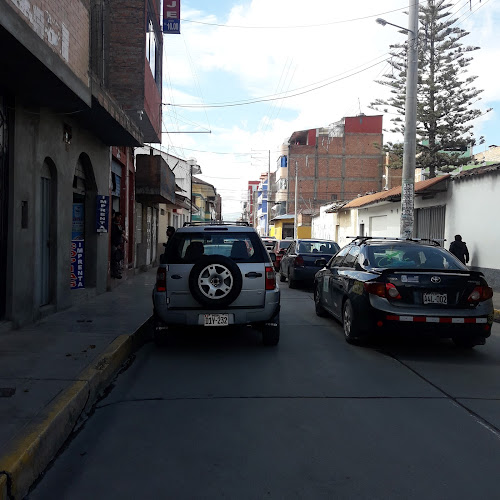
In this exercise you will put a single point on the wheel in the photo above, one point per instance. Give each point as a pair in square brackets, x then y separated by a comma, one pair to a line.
[271, 332]
[282, 277]
[351, 330]
[467, 342]
[215, 281]
[320, 310]
[291, 282]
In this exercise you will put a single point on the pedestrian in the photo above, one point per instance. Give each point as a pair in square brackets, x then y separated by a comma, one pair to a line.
[170, 231]
[117, 239]
[459, 249]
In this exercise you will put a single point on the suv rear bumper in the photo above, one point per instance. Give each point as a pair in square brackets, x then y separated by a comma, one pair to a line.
[237, 316]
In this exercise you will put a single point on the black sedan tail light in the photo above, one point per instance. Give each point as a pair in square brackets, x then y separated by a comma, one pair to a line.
[385, 290]
[298, 261]
[480, 294]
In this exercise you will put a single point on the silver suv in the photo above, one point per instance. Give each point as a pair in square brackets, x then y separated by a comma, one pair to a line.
[217, 275]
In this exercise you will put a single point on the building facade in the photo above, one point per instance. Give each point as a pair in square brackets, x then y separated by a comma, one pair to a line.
[330, 164]
[77, 92]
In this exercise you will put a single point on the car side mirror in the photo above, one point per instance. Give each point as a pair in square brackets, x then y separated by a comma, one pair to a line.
[320, 262]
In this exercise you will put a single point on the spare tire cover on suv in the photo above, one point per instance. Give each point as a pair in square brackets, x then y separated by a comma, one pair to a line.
[215, 281]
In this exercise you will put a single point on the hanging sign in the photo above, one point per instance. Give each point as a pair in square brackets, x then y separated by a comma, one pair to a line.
[172, 16]
[77, 264]
[102, 214]
[78, 222]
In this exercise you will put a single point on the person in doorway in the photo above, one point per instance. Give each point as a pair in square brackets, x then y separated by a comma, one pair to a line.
[117, 239]
[459, 249]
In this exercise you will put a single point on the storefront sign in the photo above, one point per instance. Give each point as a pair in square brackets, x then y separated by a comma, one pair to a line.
[102, 213]
[78, 225]
[77, 264]
[172, 16]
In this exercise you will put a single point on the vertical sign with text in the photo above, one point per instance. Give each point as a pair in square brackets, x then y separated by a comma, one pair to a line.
[172, 16]
[77, 264]
[102, 214]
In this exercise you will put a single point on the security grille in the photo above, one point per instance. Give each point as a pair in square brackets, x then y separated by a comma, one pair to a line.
[430, 222]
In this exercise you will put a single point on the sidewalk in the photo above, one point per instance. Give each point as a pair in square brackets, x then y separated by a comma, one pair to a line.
[52, 372]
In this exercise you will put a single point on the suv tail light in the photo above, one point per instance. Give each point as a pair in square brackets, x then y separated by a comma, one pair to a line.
[270, 278]
[161, 279]
[298, 261]
[385, 290]
[480, 294]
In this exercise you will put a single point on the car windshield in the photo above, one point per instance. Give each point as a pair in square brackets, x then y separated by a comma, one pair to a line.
[411, 256]
[187, 248]
[285, 244]
[328, 247]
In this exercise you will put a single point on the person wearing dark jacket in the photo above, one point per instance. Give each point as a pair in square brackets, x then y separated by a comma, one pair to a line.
[459, 249]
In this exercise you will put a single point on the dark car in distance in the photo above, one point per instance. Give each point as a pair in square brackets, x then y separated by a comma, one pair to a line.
[299, 263]
[280, 249]
[374, 285]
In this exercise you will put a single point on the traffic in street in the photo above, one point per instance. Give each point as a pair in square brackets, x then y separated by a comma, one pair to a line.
[214, 414]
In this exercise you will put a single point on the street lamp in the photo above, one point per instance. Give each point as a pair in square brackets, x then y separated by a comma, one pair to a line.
[410, 137]
[194, 169]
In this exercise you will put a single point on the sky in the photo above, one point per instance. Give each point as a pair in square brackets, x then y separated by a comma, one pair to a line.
[309, 64]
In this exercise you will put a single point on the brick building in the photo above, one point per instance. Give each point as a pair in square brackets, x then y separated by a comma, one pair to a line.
[335, 163]
[80, 86]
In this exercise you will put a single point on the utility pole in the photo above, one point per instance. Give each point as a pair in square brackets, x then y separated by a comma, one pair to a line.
[410, 138]
[268, 212]
[295, 222]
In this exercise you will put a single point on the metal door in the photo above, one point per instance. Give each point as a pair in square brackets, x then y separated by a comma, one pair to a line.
[149, 238]
[154, 230]
[44, 267]
[429, 222]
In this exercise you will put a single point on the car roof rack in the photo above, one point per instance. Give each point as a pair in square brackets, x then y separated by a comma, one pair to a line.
[359, 240]
[216, 223]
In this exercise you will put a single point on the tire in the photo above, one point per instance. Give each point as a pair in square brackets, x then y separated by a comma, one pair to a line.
[351, 329]
[291, 282]
[320, 310]
[282, 277]
[215, 281]
[271, 332]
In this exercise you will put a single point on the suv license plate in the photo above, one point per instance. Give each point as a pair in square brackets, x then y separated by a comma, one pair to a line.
[216, 320]
[435, 298]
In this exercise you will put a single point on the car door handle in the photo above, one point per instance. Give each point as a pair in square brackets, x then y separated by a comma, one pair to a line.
[176, 276]
[253, 275]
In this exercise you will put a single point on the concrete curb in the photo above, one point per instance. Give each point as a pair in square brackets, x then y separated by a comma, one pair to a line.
[29, 456]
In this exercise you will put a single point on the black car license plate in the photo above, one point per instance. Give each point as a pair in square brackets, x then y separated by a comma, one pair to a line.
[435, 298]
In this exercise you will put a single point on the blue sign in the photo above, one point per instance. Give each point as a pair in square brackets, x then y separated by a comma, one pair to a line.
[172, 26]
[102, 214]
[78, 224]
[77, 264]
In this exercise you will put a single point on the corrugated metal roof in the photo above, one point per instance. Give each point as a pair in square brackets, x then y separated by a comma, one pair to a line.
[394, 193]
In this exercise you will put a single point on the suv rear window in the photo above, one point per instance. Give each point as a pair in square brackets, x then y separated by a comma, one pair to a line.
[187, 248]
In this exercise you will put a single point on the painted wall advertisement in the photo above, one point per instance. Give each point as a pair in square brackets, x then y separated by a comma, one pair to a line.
[77, 246]
[172, 16]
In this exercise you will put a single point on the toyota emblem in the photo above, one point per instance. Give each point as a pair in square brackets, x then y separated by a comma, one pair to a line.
[436, 279]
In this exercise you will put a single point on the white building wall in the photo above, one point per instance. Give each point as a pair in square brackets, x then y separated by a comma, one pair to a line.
[323, 225]
[472, 211]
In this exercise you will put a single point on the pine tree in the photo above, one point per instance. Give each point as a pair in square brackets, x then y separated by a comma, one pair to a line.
[445, 94]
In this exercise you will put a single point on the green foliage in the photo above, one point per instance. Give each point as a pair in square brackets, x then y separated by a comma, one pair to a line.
[445, 94]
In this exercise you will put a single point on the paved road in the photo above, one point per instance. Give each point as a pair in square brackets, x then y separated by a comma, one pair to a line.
[217, 415]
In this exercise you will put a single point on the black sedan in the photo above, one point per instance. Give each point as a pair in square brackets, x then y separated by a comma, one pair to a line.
[376, 285]
[300, 262]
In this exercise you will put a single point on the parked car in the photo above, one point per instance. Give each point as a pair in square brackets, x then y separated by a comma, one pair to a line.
[299, 262]
[280, 249]
[269, 242]
[216, 275]
[374, 285]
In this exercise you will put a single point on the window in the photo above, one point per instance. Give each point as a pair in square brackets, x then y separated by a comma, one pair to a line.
[351, 257]
[151, 48]
[340, 256]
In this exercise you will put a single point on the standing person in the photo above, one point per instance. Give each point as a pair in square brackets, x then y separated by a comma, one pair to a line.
[117, 239]
[170, 232]
[459, 249]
